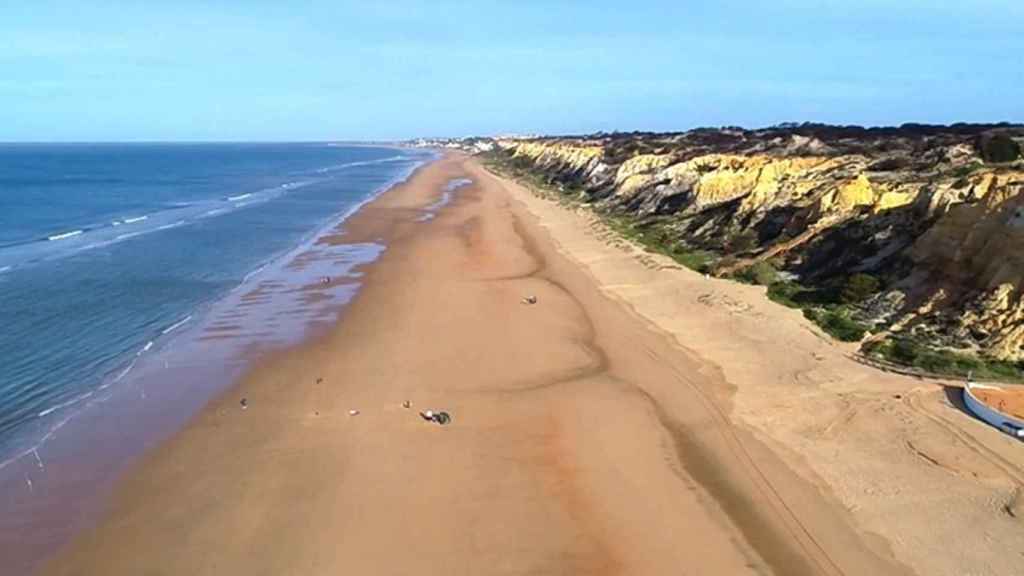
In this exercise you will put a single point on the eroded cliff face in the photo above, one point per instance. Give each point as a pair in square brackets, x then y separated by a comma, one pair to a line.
[919, 208]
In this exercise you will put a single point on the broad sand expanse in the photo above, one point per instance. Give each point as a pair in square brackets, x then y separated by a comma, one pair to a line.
[637, 419]
[902, 454]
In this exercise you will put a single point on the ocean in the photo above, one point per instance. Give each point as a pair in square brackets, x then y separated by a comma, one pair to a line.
[109, 251]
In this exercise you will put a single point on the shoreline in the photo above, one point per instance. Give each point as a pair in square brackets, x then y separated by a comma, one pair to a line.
[54, 487]
[158, 335]
[195, 315]
[571, 414]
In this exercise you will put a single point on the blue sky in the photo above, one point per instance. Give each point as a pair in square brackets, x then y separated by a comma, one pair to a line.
[290, 70]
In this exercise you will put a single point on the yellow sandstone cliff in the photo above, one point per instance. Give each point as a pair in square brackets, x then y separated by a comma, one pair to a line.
[939, 226]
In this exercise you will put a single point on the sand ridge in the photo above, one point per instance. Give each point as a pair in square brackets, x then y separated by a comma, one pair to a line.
[585, 439]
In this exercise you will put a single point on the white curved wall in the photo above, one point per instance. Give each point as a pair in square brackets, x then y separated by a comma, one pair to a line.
[989, 414]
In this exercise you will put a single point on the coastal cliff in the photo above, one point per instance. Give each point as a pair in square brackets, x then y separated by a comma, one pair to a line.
[908, 239]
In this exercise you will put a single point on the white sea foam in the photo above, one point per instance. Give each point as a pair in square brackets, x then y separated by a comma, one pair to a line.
[253, 273]
[136, 219]
[171, 225]
[126, 236]
[46, 437]
[239, 197]
[71, 402]
[4, 269]
[123, 373]
[360, 163]
[177, 325]
[65, 235]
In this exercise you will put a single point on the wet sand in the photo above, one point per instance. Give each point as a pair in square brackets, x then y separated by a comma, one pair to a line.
[585, 439]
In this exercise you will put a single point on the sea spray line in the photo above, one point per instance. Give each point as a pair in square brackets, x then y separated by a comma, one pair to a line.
[84, 396]
[34, 449]
[360, 163]
[253, 273]
[267, 195]
[176, 325]
[64, 235]
[134, 360]
[171, 225]
[43, 440]
[65, 404]
[123, 373]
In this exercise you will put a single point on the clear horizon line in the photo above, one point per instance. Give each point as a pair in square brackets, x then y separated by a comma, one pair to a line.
[354, 142]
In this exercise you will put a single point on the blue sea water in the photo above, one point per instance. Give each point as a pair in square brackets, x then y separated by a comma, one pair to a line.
[106, 248]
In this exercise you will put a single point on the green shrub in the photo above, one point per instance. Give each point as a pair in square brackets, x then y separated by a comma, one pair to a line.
[998, 147]
[743, 242]
[727, 261]
[837, 324]
[784, 292]
[658, 237]
[905, 350]
[760, 273]
[859, 288]
[699, 260]
[910, 352]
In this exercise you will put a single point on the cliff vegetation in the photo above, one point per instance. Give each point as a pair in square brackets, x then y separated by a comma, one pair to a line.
[909, 239]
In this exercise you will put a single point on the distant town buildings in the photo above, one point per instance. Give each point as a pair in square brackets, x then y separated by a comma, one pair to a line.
[471, 144]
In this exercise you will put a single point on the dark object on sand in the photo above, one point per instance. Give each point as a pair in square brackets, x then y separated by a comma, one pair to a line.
[319, 380]
[530, 300]
[244, 402]
[441, 418]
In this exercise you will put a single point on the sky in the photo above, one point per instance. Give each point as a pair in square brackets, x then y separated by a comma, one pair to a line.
[334, 70]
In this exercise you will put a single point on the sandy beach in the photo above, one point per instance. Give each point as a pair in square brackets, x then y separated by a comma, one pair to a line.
[920, 476]
[637, 419]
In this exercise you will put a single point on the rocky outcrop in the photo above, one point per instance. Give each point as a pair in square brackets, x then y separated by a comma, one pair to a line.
[926, 210]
